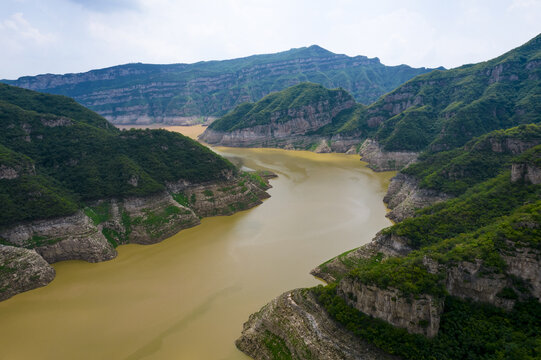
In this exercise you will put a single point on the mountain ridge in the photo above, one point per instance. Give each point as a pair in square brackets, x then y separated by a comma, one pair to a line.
[193, 93]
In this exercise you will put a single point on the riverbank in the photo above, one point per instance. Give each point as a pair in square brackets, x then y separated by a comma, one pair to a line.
[169, 300]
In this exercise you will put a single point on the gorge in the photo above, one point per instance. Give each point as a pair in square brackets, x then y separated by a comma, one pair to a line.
[172, 298]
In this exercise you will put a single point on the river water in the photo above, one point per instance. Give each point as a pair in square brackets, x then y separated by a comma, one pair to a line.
[188, 296]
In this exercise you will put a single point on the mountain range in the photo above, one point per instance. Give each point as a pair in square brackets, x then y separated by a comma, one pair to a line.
[191, 93]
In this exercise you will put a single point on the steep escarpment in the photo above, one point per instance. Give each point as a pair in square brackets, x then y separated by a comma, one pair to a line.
[425, 286]
[72, 186]
[380, 160]
[289, 118]
[295, 326]
[194, 93]
[22, 270]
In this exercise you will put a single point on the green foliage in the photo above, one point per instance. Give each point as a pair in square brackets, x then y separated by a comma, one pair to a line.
[280, 103]
[181, 199]
[442, 110]
[208, 193]
[276, 346]
[256, 179]
[476, 208]
[455, 171]
[408, 275]
[99, 213]
[62, 163]
[467, 330]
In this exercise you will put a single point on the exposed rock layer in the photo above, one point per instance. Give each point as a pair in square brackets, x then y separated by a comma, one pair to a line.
[380, 160]
[404, 197]
[295, 326]
[418, 314]
[22, 270]
[189, 93]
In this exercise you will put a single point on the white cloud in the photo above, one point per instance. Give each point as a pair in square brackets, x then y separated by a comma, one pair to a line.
[77, 35]
[17, 29]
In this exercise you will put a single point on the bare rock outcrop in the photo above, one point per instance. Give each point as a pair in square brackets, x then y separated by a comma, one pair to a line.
[295, 326]
[525, 172]
[72, 237]
[380, 160]
[384, 244]
[300, 121]
[418, 314]
[467, 280]
[404, 197]
[22, 270]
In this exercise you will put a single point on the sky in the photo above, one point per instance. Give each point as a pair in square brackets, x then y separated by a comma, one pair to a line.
[63, 36]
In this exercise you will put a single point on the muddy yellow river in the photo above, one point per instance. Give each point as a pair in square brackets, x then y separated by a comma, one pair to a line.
[188, 296]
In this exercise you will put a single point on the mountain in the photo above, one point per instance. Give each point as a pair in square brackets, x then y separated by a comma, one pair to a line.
[432, 112]
[72, 186]
[444, 109]
[458, 273]
[298, 116]
[456, 279]
[188, 93]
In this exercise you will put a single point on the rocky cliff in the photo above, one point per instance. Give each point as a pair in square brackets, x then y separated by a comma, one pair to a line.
[405, 196]
[22, 270]
[418, 314]
[381, 160]
[295, 326]
[190, 93]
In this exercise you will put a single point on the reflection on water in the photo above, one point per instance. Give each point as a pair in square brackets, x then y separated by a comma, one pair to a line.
[188, 296]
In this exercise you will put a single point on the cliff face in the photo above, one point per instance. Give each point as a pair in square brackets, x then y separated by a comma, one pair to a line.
[381, 160]
[189, 93]
[72, 237]
[417, 314]
[22, 270]
[93, 234]
[295, 326]
[404, 196]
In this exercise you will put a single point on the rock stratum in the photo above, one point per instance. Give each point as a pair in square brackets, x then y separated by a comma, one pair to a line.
[194, 93]
[295, 326]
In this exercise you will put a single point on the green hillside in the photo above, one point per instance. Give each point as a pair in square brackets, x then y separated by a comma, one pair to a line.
[492, 217]
[55, 155]
[444, 109]
[259, 113]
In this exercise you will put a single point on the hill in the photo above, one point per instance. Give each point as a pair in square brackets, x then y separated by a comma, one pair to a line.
[72, 186]
[444, 109]
[458, 279]
[299, 117]
[180, 93]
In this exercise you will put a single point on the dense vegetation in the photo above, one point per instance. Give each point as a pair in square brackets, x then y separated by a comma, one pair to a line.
[281, 104]
[57, 155]
[492, 217]
[467, 330]
[438, 111]
[214, 87]
[455, 171]
[444, 109]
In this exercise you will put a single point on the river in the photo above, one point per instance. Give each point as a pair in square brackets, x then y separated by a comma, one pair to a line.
[188, 296]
